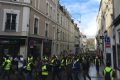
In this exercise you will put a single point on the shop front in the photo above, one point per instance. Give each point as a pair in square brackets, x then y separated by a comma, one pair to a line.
[47, 44]
[11, 45]
[34, 46]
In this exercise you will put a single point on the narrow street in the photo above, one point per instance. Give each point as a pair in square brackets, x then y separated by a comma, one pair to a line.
[92, 72]
[59, 39]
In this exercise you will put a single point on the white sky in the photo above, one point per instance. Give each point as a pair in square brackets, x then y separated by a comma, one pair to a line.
[86, 11]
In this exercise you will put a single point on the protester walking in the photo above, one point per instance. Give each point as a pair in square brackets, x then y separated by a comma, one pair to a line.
[108, 72]
[85, 68]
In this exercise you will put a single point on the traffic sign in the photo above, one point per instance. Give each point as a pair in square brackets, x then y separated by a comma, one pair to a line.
[107, 42]
[107, 39]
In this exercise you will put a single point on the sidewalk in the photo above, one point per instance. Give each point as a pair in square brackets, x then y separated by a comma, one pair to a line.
[93, 73]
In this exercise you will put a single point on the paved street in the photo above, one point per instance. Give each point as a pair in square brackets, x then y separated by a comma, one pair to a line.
[64, 39]
[93, 73]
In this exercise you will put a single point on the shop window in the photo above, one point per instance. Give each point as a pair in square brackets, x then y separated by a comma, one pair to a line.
[10, 20]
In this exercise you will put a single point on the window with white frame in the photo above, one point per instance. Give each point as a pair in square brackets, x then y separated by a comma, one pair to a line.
[10, 23]
[46, 29]
[10, 20]
[36, 25]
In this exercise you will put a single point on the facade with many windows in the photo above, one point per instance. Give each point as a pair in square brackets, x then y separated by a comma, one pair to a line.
[104, 21]
[109, 25]
[37, 27]
[116, 34]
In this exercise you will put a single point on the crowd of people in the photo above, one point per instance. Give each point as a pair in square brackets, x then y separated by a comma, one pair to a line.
[63, 67]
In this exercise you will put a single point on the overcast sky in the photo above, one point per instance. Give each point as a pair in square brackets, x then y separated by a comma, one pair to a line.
[86, 11]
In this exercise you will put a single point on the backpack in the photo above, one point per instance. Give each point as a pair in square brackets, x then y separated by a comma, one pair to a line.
[107, 75]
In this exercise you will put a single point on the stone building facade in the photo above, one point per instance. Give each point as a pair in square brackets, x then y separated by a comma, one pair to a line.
[37, 27]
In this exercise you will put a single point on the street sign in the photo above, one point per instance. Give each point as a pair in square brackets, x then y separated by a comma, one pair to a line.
[107, 42]
[107, 39]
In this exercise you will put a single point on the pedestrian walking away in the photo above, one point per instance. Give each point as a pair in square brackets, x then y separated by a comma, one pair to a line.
[6, 66]
[85, 68]
[56, 68]
[45, 68]
[76, 68]
[97, 64]
[108, 72]
[29, 68]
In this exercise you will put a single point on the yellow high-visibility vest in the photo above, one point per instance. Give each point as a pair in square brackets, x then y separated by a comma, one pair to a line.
[30, 59]
[8, 65]
[62, 62]
[44, 70]
[28, 67]
[52, 61]
[108, 69]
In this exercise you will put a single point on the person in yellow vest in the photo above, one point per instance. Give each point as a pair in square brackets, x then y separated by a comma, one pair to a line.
[6, 67]
[30, 59]
[69, 68]
[56, 68]
[44, 69]
[108, 72]
[29, 68]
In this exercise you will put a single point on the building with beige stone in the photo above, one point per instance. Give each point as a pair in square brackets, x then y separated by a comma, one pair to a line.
[37, 27]
[116, 34]
[27, 26]
[77, 39]
[104, 21]
[65, 31]
[108, 20]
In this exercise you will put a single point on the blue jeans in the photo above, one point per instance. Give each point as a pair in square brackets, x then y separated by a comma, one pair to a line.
[29, 76]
